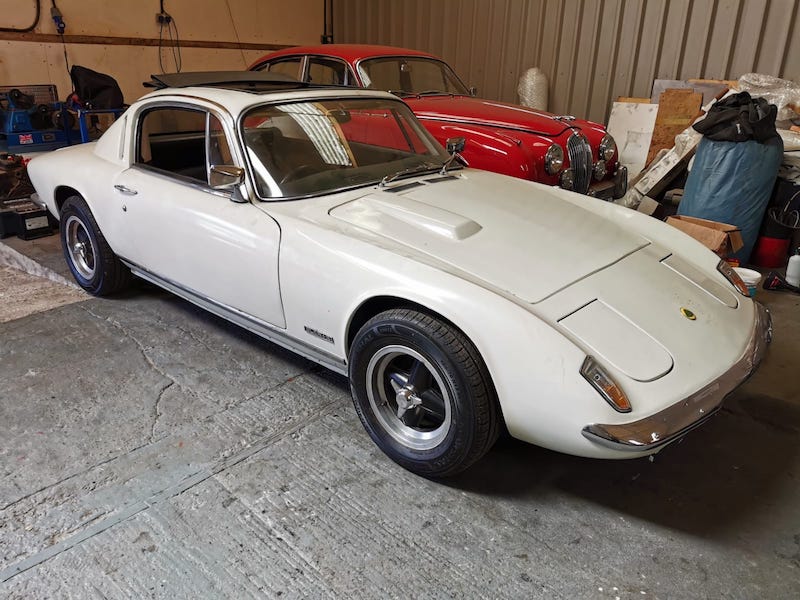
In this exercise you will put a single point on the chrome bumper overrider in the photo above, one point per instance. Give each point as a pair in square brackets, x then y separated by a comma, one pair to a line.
[612, 188]
[672, 423]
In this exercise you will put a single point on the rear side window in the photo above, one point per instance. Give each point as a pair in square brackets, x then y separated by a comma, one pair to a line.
[285, 66]
[327, 71]
[182, 142]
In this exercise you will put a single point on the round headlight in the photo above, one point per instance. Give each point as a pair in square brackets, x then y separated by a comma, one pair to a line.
[568, 180]
[554, 159]
[607, 147]
[599, 170]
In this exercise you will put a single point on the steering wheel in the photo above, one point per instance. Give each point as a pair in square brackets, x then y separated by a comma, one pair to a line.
[298, 172]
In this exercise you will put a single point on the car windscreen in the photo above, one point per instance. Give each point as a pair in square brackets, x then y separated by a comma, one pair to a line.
[410, 75]
[320, 146]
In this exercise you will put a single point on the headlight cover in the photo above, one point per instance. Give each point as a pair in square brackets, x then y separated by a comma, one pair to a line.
[733, 277]
[602, 382]
[608, 147]
[568, 180]
[554, 159]
[599, 170]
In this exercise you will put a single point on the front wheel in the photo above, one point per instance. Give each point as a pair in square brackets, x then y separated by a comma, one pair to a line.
[423, 393]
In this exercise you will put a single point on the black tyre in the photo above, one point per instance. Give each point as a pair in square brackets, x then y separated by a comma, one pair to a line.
[423, 393]
[93, 264]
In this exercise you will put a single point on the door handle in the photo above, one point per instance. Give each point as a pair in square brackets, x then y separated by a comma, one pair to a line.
[125, 190]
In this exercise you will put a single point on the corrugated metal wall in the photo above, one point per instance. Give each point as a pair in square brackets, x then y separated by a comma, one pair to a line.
[592, 51]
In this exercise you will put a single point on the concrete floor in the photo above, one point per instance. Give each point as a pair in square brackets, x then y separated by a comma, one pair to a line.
[152, 450]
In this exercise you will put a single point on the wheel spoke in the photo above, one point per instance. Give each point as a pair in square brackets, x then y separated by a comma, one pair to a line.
[413, 418]
[398, 381]
[419, 378]
[433, 405]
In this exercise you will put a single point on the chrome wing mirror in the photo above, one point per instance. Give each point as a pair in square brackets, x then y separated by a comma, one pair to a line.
[454, 147]
[225, 177]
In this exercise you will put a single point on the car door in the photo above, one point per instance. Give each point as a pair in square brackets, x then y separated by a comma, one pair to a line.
[200, 240]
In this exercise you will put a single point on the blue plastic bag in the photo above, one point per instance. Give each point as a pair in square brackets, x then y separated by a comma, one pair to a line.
[731, 182]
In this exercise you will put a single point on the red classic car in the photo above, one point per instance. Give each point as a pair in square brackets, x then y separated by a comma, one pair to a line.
[506, 138]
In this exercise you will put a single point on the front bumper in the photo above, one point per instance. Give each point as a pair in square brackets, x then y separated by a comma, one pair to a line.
[612, 188]
[655, 431]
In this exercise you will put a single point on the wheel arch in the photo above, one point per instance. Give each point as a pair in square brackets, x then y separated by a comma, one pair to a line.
[61, 193]
[378, 304]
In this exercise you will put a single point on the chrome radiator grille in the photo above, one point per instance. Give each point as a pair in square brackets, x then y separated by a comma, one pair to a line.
[580, 161]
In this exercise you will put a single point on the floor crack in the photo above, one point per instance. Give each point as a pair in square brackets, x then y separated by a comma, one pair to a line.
[141, 347]
[101, 525]
[156, 411]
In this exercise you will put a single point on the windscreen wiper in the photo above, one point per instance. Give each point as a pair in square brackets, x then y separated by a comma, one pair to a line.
[421, 168]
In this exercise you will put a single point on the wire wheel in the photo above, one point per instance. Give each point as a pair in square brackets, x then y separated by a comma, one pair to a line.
[408, 397]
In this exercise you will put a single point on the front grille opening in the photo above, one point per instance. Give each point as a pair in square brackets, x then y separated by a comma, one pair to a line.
[580, 160]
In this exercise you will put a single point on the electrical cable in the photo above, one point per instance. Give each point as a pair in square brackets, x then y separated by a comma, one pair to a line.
[167, 19]
[59, 21]
[176, 45]
[160, 34]
[29, 27]
[236, 33]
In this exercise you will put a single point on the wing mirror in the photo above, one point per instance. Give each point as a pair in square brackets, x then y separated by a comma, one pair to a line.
[455, 145]
[473, 91]
[225, 177]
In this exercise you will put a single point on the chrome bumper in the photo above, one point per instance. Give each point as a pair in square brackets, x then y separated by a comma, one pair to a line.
[674, 422]
[613, 188]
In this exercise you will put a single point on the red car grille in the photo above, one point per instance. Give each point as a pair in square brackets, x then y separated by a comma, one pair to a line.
[580, 161]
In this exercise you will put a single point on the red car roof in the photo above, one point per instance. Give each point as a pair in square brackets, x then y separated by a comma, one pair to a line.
[349, 52]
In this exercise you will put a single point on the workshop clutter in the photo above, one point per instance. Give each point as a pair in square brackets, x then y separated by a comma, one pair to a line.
[18, 214]
[33, 118]
[734, 161]
[735, 166]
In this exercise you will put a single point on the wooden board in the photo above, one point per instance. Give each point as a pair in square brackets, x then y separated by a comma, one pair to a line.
[677, 109]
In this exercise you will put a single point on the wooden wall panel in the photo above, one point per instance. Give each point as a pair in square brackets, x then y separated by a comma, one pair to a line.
[591, 50]
[129, 24]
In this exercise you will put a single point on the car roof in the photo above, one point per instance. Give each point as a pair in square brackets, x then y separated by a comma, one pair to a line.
[349, 52]
[242, 80]
[237, 100]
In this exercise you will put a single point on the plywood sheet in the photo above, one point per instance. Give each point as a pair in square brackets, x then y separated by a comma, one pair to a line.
[677, 109]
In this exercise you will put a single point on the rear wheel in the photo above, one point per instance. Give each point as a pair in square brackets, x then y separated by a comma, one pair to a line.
[423, 393]
[90, 259]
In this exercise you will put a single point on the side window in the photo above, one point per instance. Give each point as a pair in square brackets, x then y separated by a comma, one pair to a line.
[327, 71]
[285, 66]
[182, 141]
[383, 74]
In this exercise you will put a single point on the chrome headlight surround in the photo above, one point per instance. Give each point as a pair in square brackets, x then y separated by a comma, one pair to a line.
[605, 385]
[608, 147]
[733, 278]
[554, 159]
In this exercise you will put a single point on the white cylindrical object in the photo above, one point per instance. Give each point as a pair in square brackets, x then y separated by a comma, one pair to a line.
[793, 270]
[750, 277]
[532, 89]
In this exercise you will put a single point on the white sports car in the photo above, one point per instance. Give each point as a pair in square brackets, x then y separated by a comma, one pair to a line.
[330, 222]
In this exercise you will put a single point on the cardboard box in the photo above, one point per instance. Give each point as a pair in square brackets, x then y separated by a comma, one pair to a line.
[720, 238]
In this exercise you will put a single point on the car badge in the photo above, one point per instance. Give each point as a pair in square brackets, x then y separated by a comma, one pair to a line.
[688, 314]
